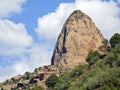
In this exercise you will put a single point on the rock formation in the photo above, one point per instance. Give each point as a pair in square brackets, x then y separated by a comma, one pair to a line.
[79, 35]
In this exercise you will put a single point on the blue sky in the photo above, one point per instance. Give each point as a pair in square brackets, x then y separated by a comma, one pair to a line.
[29, 29]
[33, 9]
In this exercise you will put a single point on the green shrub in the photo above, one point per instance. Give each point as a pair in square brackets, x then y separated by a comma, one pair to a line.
[105, 87]
[52, 81]
[117, 48]
[64, 81]
[117, 63]
[115, 39]
[105, 47]
[92, 57]
[103, 77]
[76, 72]
[110, 59]
[27, 76]
[38, 88]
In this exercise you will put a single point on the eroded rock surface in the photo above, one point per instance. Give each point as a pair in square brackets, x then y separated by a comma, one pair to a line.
[78, 36]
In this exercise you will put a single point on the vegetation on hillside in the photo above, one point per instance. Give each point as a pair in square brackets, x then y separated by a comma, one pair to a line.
[38, 88]
[101, 73]
[51, 81]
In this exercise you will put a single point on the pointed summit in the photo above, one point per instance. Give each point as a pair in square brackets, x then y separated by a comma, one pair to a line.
[79, 35]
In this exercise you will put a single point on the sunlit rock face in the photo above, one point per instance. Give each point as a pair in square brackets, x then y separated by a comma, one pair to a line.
[79, 35]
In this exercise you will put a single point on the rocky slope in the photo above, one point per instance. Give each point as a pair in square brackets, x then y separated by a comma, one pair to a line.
[30, 80]
[78, 36]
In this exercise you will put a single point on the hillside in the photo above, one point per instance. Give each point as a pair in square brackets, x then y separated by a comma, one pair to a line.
[101, 73]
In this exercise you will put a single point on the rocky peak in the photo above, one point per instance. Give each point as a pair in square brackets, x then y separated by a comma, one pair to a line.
[79, 35]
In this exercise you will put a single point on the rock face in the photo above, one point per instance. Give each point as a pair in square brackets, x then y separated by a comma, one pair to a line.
[78, 36]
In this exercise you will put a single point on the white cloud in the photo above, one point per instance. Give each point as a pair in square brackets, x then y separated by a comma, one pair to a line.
[14, 38]
[37, 56]
[8, 7]
[50, 25]
[119, 1]
[104, 14]
[6, 72]
[12, 70]
[20, 66]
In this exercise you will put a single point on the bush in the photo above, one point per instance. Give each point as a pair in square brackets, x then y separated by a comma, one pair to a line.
[105, 47]
[117, 48]
[27, 76]
[77, 71]
[115, 39]
[92, 57]
[117, 63]
[32, 81]
[52, 81]
[64, 81]
[110, 59]
[97, 78]
[38, 88]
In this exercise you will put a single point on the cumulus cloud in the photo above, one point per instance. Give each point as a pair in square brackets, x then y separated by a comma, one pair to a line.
[8, 7]
[50, 25]
[13, 38]
[15, 43]
[104, 14]
[38, 55]
[119, 1]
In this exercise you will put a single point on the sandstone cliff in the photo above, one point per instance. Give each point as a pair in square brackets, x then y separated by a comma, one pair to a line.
[79, 35]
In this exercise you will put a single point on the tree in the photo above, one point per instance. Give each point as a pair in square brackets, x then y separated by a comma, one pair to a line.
[115, 39]
[52, 81]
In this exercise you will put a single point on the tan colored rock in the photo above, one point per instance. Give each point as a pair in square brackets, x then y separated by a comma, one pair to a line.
[78, 36]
